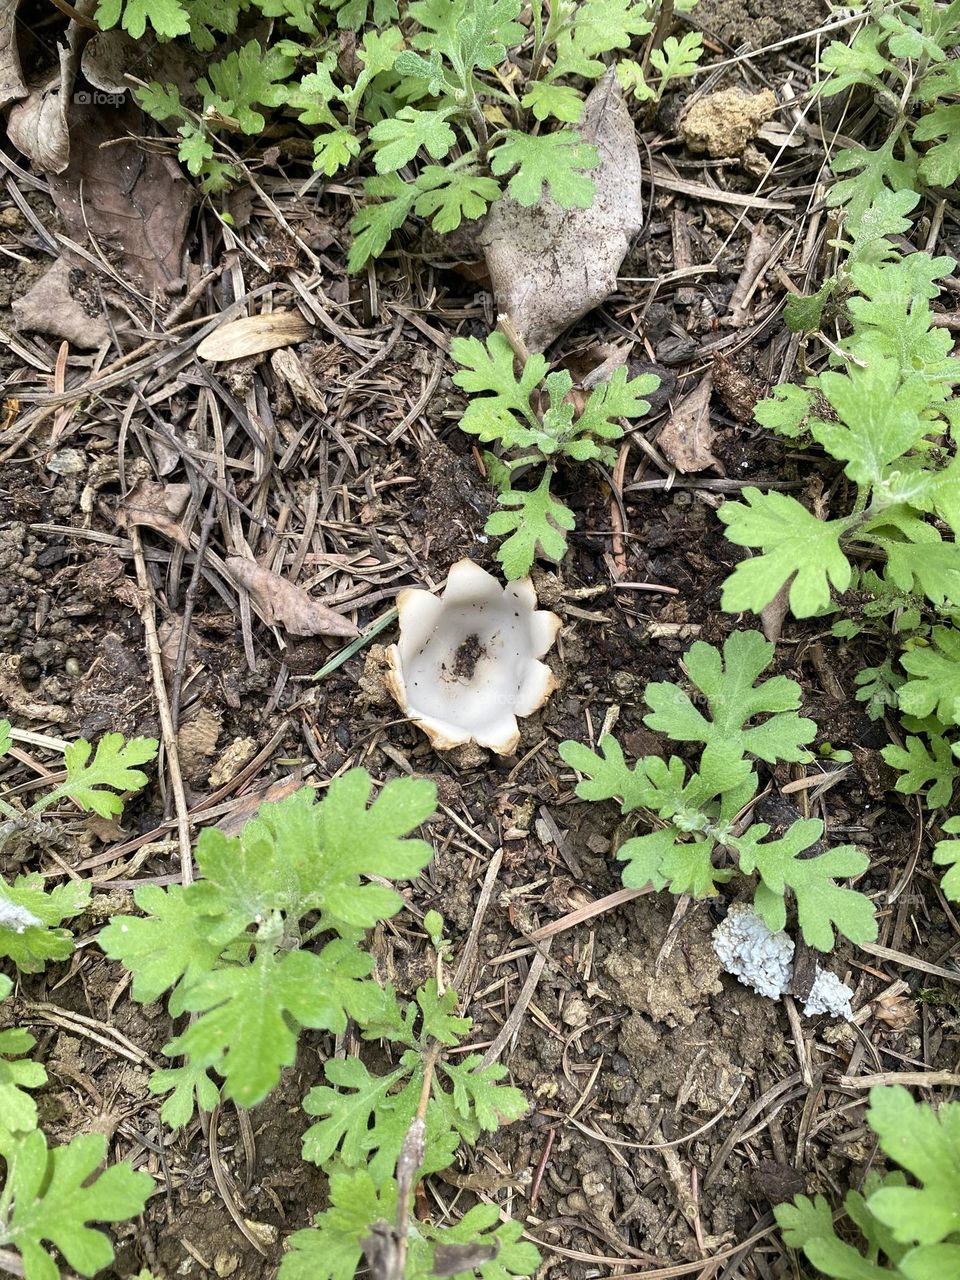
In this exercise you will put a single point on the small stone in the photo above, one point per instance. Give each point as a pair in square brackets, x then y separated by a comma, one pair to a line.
[576, 1012]
[225, 1264]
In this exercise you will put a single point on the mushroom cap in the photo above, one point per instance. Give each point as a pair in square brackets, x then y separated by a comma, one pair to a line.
[467, 662]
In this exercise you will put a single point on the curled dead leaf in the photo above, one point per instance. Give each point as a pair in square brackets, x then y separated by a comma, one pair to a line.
[687, 437]
[280, 601]
[550, 266]
[37, 126]
[12, 84]
[157, 506]
[254, 334]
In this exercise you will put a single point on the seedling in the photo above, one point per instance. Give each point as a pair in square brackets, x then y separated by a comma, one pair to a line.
[908, 1229]
[506, 408]
[697, 819]
[30, 917]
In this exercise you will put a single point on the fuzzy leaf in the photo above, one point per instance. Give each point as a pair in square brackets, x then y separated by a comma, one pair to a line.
[168, 18]
[537, 524]
[112, 766]
[374, 224]
[246, 76]
[332, 1250]
[450, 195]
[947, 854]
[794, 543]
[927, 1144]
[934, 686]
[559, 101]
[821, 903]
[48, 1198]
[30, 920]
[732, 698]
[879, 420]
[919, 767]
[398, 139]
[555, 159]
[18, 1111]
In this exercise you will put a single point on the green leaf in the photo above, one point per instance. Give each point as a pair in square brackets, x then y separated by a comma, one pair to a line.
[246, 76]
[490, 367]
[919, 767]
[374, 224]
[821, 903]
[947, 854]
[879, 420]
[30, 920]
[795, 545]
[677, 58]
[250, 1016]
[786, 411]
[860, 62]
[805, 314]
[189, 1086]
[167, 17]
[18, 1111]
[112, 766]
[934, 684]
[537, 524]
[559, 101]
[450, 195]
[940, 166]
[359, 1116]
[48, 1197]
[398, 139]
[879, 172]
[732, 698]
[161, 101]
[332, 1249]
[176, 941]
[608, 774]
[555, 159]
[478, 1095]
[334, 150]
[927, 1144]
[484, 33]
[808, 1225]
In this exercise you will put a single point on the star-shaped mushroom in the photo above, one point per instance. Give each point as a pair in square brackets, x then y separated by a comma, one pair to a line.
[467, 662]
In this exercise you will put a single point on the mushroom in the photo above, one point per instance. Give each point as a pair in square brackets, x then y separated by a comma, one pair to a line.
[467, 662]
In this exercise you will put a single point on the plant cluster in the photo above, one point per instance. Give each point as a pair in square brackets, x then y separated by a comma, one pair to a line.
[50, 1195]
[535, 422]
[908, 1230]
[448, 99]
[885, 410]
[234, 950]
[700, 834]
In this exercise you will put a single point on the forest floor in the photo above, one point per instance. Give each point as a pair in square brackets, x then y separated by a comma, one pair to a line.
[670, 1106]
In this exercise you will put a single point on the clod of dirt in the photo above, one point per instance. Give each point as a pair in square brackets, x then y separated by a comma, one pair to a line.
[239, 753]
[49, 307]
[253, 335]
[688, 973]
[280, 601]
[687, 437]
[550, 266]
[467, 662]
[722, 123]
[197, 741]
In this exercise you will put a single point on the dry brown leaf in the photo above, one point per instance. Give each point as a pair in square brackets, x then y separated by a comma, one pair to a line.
[687, 437]
[240, 752]
[37, 126]
[721, 124]
[169, 634]
[549, 266]
[280, 601]
[197, 740]
[49, 307]
[254, 334]
[12, 85]
[109, 55]
[129, 200]
[157, 506]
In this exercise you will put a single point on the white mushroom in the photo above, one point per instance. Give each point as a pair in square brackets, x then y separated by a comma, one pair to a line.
[466, 664]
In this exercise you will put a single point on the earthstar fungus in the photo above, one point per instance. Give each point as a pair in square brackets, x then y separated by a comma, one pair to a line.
[466, 664]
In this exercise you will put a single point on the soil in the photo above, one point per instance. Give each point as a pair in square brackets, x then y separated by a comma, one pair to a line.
[670, 1107]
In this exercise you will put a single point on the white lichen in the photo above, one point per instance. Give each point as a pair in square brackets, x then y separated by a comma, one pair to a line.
[756, 957]
[467, 662]
[763, 960]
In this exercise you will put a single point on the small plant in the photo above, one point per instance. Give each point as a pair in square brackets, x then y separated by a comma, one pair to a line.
[439, 96]
[30, 917]
[906, 59]
[908, 1230]
[533, 419]
[234, 949]
[697, 818]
